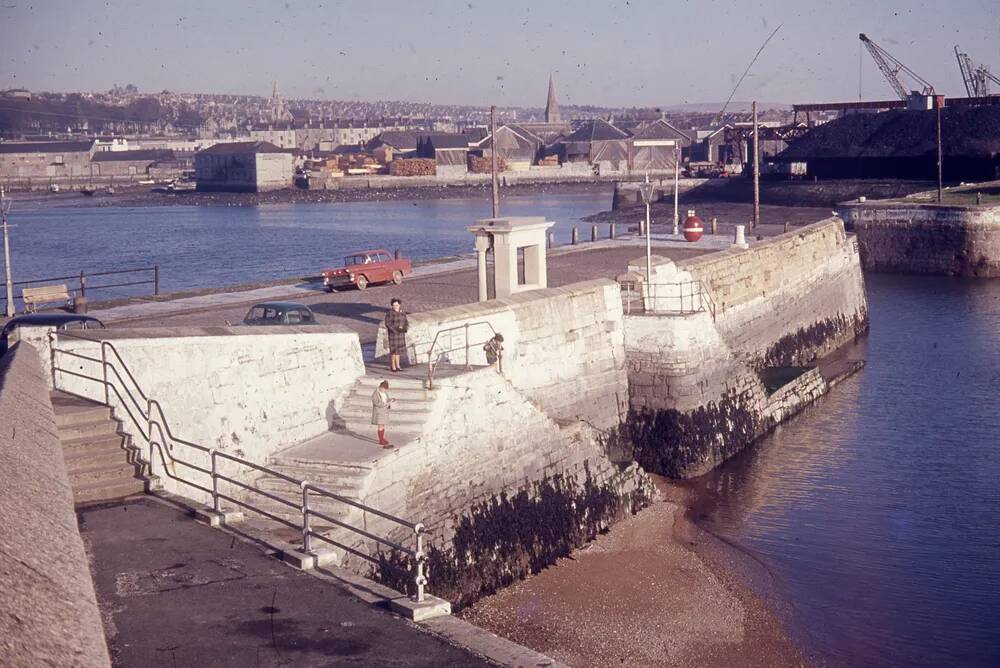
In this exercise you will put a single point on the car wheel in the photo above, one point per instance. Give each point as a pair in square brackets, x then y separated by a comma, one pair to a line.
[397, 277]
[362, 282]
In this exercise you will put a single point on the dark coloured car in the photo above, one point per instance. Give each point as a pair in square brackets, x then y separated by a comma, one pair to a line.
[57, 320]
[279, 313]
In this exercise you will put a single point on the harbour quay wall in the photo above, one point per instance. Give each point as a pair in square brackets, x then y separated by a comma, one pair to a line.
[244, 391]
[50, 615]
[696, 390]
[563, 347]
[911, 238]
[513, 470]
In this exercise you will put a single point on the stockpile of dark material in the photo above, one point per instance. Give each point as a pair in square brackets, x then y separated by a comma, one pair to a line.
[902, 144]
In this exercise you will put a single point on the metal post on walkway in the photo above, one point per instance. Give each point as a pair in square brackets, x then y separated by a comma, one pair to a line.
[156, 279]
[215, 481]
[467, 365]
[419, 580]
[611, 230]
[306, 533]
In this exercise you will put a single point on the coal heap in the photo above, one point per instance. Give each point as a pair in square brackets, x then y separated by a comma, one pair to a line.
[969, 132]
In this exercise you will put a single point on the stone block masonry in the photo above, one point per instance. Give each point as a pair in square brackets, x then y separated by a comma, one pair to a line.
[564, 347]
[910, 238]
[695, 394]
[50, 615]
[246, 391]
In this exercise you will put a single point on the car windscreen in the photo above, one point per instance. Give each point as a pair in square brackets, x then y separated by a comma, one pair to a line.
[263, 314]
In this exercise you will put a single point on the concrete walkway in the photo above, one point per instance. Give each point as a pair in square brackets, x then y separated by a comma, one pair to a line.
[305, 292]
[177, 593]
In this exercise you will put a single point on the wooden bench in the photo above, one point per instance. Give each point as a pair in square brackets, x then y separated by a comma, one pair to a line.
[45, 294]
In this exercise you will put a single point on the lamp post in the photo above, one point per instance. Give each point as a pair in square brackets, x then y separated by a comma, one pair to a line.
[646, 191]
[677, 177]
[4, 210]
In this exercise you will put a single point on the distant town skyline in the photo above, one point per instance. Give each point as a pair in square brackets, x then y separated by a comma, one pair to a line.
[626, 53]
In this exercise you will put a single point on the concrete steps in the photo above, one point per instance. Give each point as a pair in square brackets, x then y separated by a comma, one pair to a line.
[100, 465]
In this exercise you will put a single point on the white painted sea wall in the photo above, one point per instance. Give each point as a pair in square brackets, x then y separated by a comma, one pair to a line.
[248, 392]
[563, 347]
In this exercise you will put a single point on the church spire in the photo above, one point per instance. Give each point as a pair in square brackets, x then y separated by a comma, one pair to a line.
[552, 114]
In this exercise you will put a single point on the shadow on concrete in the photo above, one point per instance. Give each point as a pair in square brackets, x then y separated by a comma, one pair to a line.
[360, 312]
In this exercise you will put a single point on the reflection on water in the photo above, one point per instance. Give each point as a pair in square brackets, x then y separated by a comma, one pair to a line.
[202, 246]
[878, 510]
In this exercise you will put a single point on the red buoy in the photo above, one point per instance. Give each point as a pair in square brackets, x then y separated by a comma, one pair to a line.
[693, 228]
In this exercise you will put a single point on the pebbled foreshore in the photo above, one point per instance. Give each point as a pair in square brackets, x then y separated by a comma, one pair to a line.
[656, 590]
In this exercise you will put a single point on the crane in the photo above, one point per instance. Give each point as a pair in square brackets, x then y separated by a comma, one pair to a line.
[976, 78]
[891, 67]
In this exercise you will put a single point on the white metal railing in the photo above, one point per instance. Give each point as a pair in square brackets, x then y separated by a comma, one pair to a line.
[444, 353]
[681, 298]
[152, 425]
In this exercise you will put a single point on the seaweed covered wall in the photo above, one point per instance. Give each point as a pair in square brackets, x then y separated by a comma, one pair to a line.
[911, 238]
[695, 392]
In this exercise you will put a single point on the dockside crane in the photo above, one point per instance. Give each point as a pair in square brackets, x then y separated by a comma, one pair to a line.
[976, 78]
[891, 67]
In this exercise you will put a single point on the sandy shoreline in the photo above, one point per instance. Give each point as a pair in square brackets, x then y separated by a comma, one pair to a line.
[656, 590]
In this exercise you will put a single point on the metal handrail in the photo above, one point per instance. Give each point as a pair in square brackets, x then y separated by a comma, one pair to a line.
[647, 292]
[83, 285]
[431, 364]
[161, 447]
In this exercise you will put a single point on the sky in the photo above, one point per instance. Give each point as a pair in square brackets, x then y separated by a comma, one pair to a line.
[604, 52]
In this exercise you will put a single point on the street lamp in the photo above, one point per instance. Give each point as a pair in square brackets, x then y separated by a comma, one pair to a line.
[677, 178]
[4, 210]
[646, 192]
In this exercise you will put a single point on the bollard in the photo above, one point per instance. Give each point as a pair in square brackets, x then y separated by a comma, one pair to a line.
[786, 226]
[979, 198]
[593, 232]
[575, 239]
[552, 239]
[740, 241]
[642, 227]
[715, 225]
[611, 230]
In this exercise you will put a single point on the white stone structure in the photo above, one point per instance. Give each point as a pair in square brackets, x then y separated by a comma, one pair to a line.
[519, 254]
[246, 391]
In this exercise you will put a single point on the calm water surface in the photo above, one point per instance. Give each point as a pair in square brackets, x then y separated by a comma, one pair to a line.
[877, 511]
[203, 246]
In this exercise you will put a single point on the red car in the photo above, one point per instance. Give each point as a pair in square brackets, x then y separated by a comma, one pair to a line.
[365, 267]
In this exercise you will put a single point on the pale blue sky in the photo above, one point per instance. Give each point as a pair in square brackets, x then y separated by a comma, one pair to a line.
[633, 52]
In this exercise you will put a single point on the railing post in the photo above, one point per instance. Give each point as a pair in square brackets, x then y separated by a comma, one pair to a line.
[418, 578]
[467, 365]
[83, 284]
[215, 481]
[156, 279]
[149, 433]
[306, 534]
[104, 371]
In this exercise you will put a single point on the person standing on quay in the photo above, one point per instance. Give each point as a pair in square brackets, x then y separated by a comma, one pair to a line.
[397, 324]
[381, 403]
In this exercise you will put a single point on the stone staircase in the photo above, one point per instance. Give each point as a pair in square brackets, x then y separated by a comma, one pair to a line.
[343, 459]
[100, 465]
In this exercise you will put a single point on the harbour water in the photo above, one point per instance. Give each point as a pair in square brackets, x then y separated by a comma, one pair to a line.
[206, 246]
[876, 513]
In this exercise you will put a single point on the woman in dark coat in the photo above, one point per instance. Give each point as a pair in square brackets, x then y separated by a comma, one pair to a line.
[396, 324]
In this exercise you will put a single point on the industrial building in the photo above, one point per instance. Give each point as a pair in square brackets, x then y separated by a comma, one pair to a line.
[244, 167]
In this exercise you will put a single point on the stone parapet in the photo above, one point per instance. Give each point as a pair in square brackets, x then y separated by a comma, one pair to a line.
[50, 615]
[246, 391]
